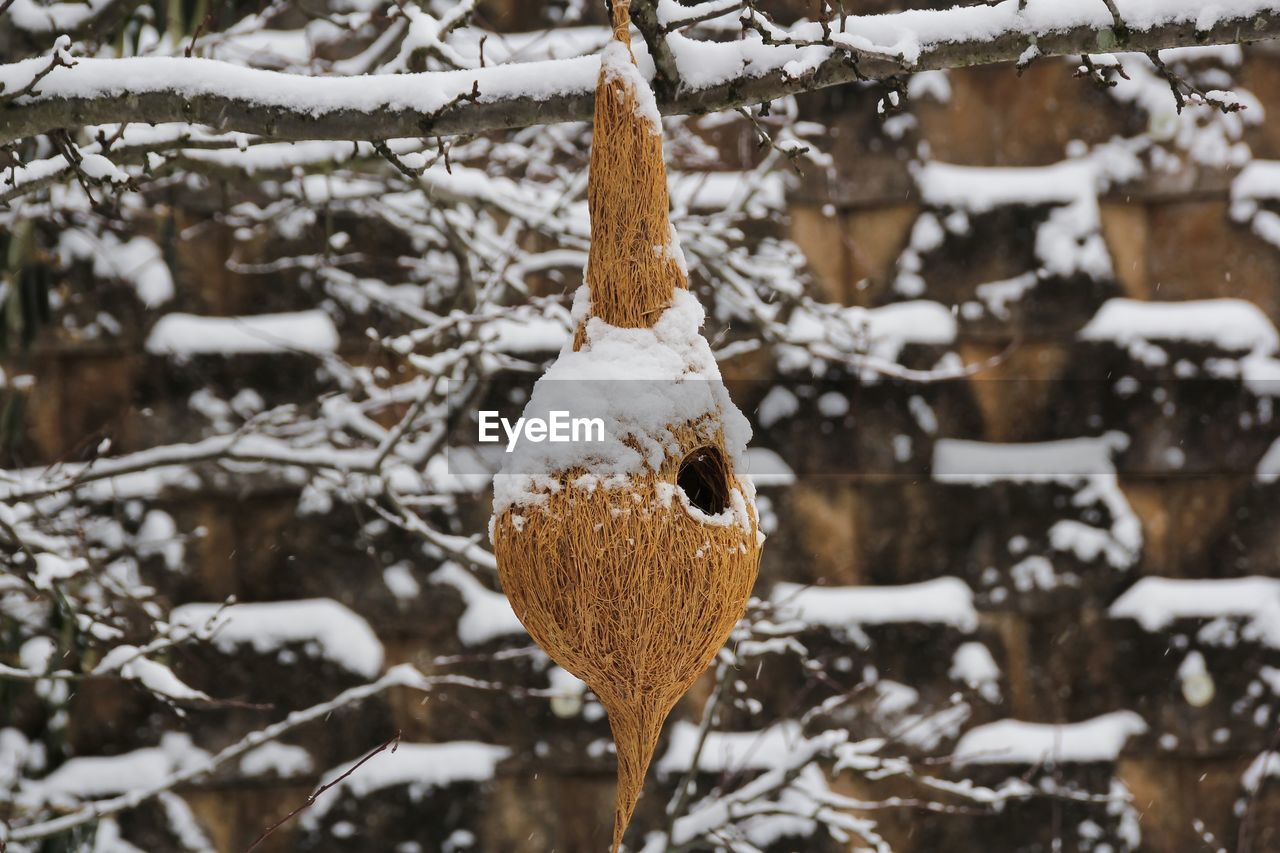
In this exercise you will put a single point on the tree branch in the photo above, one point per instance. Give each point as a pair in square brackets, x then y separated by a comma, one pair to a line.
[288, 106]
[391, 743]
[403, 675]
[644, 14]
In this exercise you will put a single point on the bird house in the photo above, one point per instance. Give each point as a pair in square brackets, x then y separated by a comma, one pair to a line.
[629, 560]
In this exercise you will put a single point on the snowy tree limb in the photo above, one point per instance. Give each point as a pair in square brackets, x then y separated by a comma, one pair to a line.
[403, 675]
[288, 106]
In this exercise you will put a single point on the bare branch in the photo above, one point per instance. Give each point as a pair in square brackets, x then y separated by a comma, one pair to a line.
[390, 743]
[1185, 91]
[702, 12]
[1121, 31]
[644, 14]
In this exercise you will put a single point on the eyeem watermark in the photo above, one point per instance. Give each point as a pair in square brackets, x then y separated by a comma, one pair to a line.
[558, 427]
[878, 430]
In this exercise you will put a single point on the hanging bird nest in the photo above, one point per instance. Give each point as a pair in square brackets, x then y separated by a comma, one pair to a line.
[630, 561]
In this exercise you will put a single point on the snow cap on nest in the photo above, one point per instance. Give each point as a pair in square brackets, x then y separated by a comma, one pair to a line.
[640, 382]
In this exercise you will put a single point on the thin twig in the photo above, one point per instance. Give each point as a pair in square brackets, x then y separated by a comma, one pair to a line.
[392, 742]
[1121, 29]
[1184, 90]
[676, 808]
[764, 138]
[1101, 76]
[699, 15]
[406, 423]
[394, 159]
[403, 675]
[204, 24]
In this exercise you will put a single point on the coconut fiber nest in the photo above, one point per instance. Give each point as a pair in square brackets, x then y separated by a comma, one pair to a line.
[631, 565]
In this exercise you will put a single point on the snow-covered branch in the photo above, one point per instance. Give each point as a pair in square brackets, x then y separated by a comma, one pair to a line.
[712, 75]
[403, 675]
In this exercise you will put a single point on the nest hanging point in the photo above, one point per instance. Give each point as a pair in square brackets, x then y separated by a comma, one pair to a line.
[629, 274]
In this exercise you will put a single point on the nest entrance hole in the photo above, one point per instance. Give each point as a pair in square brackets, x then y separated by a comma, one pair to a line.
[704, 478]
